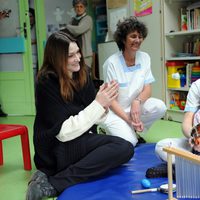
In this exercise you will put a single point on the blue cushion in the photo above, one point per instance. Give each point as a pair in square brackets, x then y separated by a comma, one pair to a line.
[118, 183]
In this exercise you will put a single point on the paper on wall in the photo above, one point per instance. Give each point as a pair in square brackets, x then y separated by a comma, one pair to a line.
[115, 16]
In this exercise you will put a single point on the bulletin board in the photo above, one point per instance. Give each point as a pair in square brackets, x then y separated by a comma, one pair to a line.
[116, 3]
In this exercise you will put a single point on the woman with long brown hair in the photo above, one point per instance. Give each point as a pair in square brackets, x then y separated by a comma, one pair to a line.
[67, 152]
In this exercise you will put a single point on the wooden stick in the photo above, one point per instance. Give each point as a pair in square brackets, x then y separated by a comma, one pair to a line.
[170, 181]
[144, 190]
[184, 154]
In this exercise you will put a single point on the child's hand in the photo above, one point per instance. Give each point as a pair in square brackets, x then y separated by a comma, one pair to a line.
[194, 140]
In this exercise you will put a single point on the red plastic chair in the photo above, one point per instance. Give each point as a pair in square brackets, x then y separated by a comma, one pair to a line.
[10, 130]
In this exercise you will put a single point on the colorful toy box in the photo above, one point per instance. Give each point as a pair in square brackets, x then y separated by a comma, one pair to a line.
[174, 70]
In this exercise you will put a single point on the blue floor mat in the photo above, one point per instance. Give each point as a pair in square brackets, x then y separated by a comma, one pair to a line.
[118, 183]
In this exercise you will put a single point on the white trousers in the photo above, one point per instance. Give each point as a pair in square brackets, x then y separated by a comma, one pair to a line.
[181, 143]
[152, 110]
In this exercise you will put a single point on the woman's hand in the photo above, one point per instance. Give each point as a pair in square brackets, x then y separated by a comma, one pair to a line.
[135, 113]
[107, 93]
[139, 127]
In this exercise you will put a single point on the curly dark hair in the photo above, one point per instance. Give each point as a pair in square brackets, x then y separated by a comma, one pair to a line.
[128, 25]
[84, 2]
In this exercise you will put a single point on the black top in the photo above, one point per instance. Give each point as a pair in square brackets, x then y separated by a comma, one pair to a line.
[51, 112]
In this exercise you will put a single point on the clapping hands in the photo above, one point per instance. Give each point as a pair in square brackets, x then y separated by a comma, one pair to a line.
[107, 93]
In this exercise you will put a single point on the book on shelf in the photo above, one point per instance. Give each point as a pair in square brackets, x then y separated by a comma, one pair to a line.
[196, 18]
[191, 48]
[193, 16]
[196, 47]
[189, 74]
[184, 19]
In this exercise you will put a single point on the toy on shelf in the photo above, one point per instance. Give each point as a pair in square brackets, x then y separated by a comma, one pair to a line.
[174, 71]
[175, 101]
[178, 100]
[195, 74]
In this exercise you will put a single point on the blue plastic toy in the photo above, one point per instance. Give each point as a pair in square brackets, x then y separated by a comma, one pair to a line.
[145, 183]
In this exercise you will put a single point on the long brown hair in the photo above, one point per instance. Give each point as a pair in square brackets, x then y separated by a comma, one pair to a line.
[55, 61]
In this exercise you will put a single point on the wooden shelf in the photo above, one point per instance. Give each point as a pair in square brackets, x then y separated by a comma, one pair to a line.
[174, 110]
[181, 1]
[184, 58]
[179, 89]
[177, 47]
[179, 33]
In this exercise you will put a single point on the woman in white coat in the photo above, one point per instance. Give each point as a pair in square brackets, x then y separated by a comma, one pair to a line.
[135, 110]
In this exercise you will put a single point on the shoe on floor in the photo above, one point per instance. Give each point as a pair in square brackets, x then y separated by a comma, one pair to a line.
[3, 114]
[38, 176]
[141, 140]
[38, 191]
[160, 171]
[157, 171]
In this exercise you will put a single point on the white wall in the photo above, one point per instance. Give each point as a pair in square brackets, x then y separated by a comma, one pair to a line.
[104, 51]
[58, 13]
[10, 25]
[152, 45]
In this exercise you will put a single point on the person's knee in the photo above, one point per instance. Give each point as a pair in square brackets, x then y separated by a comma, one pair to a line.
[155, 107]
[159, 146]
[163, 107]
[160, 108]
[129, 135]
[159, 149]
[124, 132]
[127, 149]
[132, 140]
[162, 143]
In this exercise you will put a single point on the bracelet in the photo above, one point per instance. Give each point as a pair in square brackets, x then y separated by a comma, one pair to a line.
[138, 99]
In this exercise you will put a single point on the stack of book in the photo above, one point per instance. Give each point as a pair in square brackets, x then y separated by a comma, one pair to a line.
[190, 17]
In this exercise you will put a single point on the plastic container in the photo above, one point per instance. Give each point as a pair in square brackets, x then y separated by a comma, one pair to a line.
[174, 68]
[183, 80]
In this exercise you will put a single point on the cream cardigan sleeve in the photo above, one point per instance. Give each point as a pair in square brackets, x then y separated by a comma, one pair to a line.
[76, 125]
